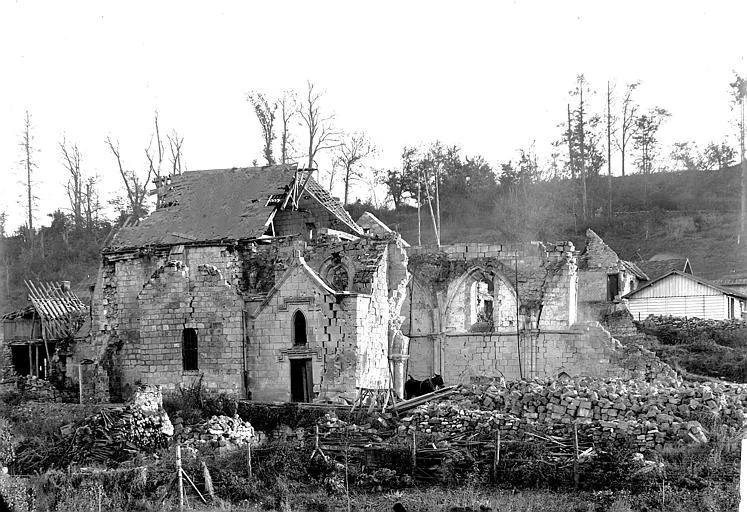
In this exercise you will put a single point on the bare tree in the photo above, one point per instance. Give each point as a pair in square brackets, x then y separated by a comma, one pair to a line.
[175, 148]
[265, 109]
[29, 164]
[353, 149]
[135, 186]
[288, 109]
[92, 205]
[319, 125]
[610, 120]
[628, 122]
[581, 129]
[71, 159]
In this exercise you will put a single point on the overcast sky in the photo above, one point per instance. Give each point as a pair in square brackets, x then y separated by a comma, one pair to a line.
[490, 77]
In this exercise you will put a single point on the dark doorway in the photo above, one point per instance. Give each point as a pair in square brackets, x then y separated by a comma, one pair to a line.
[613, 286]
[21, 359]
[302, 380]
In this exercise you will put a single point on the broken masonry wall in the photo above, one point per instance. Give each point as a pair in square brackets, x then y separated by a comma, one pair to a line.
[371, 322]
[117, 309]
[115, 328]
[442, 290]
[596, 263]
[199, 297]
[309, 215]
[398, 278]
[586, 350]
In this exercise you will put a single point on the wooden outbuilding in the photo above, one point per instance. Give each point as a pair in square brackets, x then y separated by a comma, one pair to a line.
[680, 294]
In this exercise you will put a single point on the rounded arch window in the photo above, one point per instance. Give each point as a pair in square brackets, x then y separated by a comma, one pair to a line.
[335, 273]
[299, 329]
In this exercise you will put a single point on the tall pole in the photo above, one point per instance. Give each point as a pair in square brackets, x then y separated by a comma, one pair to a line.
[743, 223]
[419, 241]
[518, 337]
[609, 157]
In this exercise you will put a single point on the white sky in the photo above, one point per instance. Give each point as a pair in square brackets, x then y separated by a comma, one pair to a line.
[488, 76]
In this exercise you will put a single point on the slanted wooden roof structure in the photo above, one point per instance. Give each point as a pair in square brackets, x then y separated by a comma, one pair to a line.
[59, 308]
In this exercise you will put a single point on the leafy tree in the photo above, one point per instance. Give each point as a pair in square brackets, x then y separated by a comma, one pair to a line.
[645, 138]
[719, 156]
[686, 155]
[264, 109]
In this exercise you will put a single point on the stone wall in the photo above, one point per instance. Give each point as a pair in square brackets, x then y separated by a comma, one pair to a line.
[197, 297]
[346, 337]
[586, 349]
[442, 292]
[142, 303]
[596, 263]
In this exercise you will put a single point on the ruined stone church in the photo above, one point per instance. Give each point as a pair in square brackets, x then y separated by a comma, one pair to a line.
[255, 281]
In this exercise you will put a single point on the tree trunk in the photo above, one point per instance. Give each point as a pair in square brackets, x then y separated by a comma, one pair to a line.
[584, 204]
[419, 240]
[347, 184]
[609, 158]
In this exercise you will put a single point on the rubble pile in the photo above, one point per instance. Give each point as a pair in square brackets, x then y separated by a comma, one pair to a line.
[115, 434]
[219, 432]
[651, 415]
[38, 390]
[692, 324]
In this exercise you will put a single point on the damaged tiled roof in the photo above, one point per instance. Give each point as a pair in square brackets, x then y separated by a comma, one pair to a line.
[635, 270]
[223, 204]
[331, 204]
[655, 269]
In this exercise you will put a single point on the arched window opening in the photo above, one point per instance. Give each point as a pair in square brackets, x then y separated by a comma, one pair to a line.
[338, 277]
[189, 349]
[335, 273]
[482, 304]
[299, 329]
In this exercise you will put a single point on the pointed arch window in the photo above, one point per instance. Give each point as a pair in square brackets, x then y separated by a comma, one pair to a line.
[299, 329]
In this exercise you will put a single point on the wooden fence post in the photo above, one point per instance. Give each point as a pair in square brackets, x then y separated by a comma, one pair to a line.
[575, 461]
[496, 456]
[249, 459]
[414, 453]
[743, 478]
[80, 383]
[179, 476]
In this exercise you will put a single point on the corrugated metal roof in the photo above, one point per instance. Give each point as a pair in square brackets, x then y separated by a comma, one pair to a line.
[700, 280]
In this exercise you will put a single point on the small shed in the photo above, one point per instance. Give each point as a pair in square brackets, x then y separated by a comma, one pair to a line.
[677, 293]
[34, 334]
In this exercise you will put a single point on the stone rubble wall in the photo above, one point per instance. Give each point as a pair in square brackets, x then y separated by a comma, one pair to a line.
[653, 415]
[587, 349]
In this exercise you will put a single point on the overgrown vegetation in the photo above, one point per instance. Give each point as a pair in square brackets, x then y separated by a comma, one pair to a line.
[714, 349]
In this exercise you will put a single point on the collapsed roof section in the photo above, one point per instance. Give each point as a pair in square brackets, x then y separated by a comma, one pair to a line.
[224, 205]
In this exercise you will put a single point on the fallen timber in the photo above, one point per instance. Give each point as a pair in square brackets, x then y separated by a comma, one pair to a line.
[406, 405]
